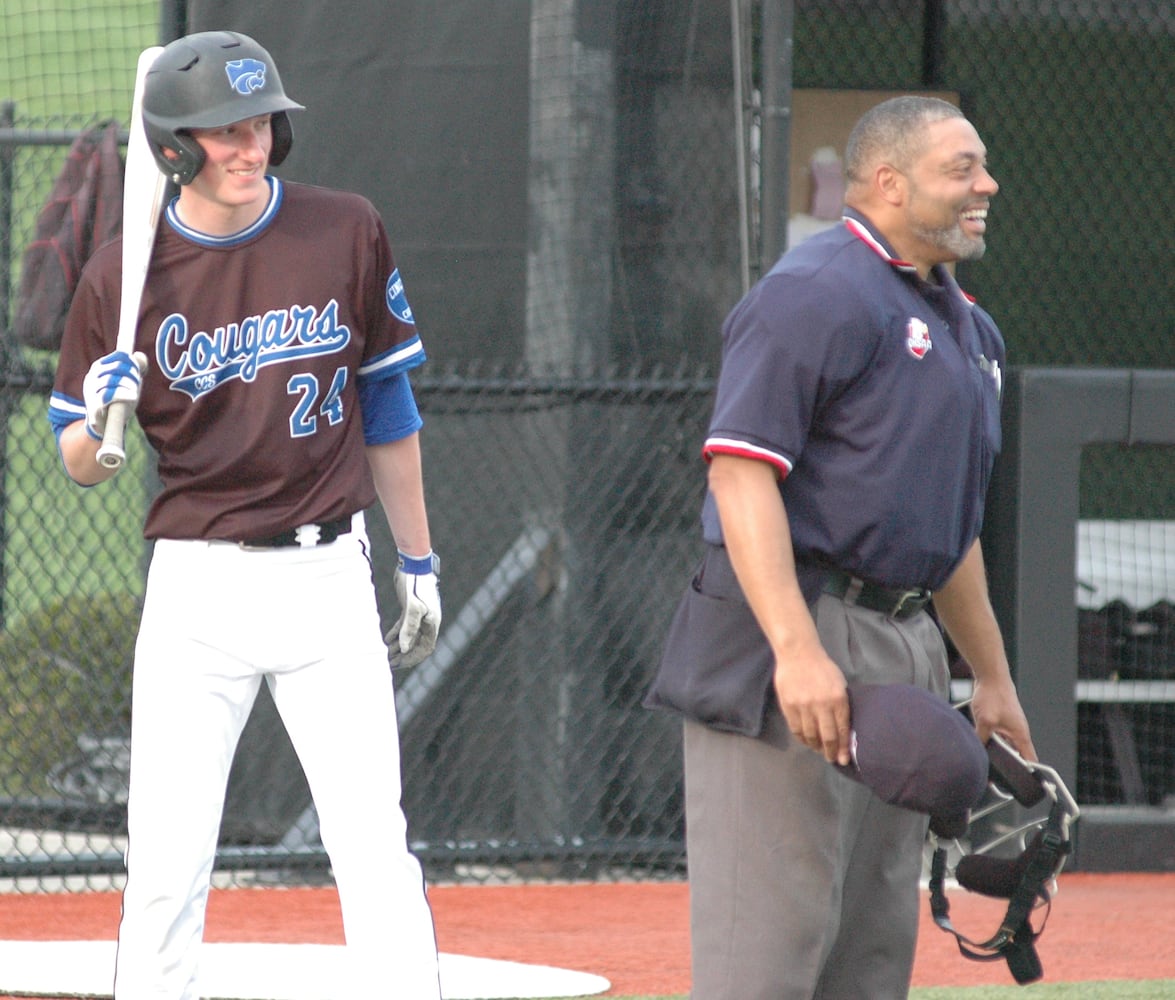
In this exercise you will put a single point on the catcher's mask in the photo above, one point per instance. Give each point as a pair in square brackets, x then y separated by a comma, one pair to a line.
[1028, 879]
[206, 80]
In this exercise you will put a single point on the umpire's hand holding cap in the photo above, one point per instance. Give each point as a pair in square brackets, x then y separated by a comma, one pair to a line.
[915, 751]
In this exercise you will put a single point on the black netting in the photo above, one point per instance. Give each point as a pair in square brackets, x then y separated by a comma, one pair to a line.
[579, 556]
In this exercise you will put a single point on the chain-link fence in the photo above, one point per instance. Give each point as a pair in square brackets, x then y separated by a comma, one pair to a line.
[563, 470]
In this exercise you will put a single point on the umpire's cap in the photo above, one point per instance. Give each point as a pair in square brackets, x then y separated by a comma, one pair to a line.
[206, 80]
[914, 750]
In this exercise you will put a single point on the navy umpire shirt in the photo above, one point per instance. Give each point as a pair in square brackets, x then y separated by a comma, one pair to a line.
[875, 395]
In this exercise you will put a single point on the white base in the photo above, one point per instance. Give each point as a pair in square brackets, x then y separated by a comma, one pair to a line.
[272, 972]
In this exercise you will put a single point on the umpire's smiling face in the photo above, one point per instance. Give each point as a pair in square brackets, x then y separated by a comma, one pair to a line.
[948, 192]
[236, 158]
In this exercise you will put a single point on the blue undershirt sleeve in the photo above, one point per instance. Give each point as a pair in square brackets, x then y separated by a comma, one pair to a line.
[389, 409]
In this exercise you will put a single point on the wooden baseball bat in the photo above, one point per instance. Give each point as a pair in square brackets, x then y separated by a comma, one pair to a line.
[143, 189]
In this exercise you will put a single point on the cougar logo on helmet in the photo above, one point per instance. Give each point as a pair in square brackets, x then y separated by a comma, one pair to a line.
[184, 90]
[245, 75]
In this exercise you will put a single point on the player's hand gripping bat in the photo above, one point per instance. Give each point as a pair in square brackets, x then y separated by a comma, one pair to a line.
[143, 189]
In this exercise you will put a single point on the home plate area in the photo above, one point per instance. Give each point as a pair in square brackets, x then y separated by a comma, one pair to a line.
[273, 972]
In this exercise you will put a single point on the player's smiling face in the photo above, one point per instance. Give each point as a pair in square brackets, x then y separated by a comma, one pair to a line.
[231, 185]
[948, 193]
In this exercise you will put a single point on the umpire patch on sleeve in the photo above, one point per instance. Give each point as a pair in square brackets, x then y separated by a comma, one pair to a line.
[397, 300]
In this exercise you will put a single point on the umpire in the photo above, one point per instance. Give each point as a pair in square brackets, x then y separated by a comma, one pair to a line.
[852, 440]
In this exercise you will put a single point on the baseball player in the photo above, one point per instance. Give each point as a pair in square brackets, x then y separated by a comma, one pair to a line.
[853, 435]
[270, 377]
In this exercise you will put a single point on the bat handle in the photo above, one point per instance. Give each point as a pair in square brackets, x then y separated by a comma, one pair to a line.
[110, 453]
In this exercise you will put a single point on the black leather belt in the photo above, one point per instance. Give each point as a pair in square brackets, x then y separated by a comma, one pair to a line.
[328, 531]
[894, 602]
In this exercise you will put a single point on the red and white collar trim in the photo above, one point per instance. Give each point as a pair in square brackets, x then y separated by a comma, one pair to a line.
[875, 244]
[866, 237]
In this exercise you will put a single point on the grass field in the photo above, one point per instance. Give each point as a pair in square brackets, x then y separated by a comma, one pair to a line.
[73, 57]
[1119, 989]
[68, 61]
[97, 542]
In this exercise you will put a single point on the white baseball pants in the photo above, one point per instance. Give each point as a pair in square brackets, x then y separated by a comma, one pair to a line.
[217, 621]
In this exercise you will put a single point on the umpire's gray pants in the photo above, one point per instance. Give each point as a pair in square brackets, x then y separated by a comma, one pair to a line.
[803, 884]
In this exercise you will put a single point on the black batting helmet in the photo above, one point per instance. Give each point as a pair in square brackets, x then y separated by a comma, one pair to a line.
[206, 80]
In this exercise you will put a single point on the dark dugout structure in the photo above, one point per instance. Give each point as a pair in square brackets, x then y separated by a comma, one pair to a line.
[510, 148]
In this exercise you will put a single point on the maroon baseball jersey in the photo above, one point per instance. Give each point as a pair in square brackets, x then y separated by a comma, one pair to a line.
[257, 343]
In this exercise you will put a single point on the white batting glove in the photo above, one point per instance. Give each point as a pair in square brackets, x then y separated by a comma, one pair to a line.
[414, 636]
[115, 378]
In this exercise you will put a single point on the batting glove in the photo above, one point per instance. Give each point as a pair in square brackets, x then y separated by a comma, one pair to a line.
[414, 636]
[115, 378]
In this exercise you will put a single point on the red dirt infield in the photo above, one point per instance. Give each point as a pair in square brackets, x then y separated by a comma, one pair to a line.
[1102, 926]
